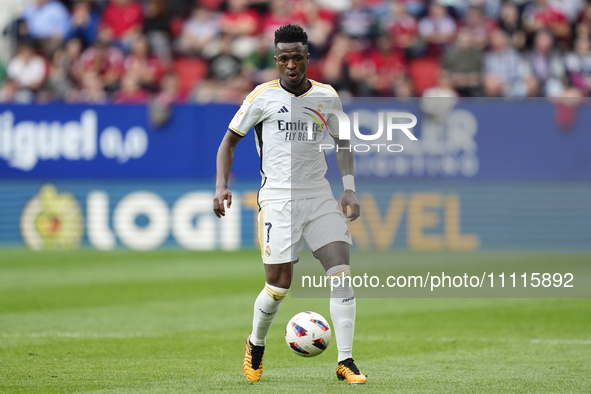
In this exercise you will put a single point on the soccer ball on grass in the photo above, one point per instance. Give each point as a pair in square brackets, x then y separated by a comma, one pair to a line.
[308, 334]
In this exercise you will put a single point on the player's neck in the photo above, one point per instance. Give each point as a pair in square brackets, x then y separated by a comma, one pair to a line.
[297, 90]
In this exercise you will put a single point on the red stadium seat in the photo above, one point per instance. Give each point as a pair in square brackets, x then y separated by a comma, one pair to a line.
[189, 71]
[423, 73]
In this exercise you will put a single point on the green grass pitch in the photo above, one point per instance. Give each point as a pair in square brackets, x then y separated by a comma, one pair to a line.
[176, 322]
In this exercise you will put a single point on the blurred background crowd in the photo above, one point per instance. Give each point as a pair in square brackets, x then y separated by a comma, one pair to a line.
[173, 51]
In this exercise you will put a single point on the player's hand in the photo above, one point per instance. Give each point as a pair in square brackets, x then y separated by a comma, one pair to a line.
[349, 200]
[221, 194]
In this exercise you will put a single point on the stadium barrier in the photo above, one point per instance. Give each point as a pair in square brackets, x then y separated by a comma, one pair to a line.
[491, 174]
[426, 216]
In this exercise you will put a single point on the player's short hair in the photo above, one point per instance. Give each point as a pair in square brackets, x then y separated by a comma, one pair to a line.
[291, 33]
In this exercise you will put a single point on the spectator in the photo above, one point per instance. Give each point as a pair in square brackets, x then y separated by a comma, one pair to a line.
[73, 60]
[27, 71]
[225, 65]
[8, 92]
[260, 65]
[544, 66]
[131, 91]
[160, 109]
[106, 61]
[92, 91]
[334, 5]
[47, 21]
[491, 8]
[510, 23]
[479, 26]
[444, 88]
[457, 9]
[416, 8]
[199, 30]
[584, 22]
[403, 88]
[121, 22]
[502, 66]
[358, 21]
[463, 64]
[336, 64]
[383, 66]
[438, 28]
[578, 65]
[569, 8]
[157, 28]
[436, 105]
[281, 14]
[146, 68]
[59, 85]
[539, 15]
[319, 24]
[241, 25]
[169, 91]
[403, 28]
[84, 22]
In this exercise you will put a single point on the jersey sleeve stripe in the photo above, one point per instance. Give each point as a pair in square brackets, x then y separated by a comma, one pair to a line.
[261, 91]
[258, 88]
[323, 86]
[236, 131]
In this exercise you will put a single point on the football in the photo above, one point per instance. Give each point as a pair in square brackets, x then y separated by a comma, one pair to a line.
[308, 334]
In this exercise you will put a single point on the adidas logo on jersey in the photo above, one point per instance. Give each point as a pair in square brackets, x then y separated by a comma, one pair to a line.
[283, 110]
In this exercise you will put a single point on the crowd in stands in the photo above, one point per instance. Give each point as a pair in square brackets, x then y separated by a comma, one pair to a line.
[174, 51]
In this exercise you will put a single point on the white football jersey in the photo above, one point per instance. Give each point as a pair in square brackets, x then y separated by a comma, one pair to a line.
[292, 164]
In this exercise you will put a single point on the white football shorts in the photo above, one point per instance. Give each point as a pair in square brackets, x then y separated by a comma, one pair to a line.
[285, 225]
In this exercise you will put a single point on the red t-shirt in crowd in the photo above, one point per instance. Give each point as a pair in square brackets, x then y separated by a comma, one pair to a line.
[233, 18]
[384, 64]
[138, 97]
[406, 26]
[152, 64]
[113, 61]
[272, 22]
[550, 16]
[121, 18]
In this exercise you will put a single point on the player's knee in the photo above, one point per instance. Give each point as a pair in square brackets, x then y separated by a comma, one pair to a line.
[279, 276]
[282, 282]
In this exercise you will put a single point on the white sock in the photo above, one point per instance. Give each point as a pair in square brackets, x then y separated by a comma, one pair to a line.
[265, 308]
[342, 309]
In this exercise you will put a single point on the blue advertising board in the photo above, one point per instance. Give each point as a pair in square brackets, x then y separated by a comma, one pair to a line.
[435, 215]
[116, 142]
[478, 140]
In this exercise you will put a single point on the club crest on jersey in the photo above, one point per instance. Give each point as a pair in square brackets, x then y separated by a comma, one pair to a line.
[317, 116]
[268, 251]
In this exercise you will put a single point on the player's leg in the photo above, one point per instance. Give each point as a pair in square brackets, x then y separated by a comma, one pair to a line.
[278, 281]
[269, 300]
[329, 238]
[275, 239]
[335, 260]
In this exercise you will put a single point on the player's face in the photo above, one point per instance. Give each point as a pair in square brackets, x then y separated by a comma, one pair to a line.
[292, 60]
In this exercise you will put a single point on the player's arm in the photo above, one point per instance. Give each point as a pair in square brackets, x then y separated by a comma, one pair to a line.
[346, 166]
[224, 161]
